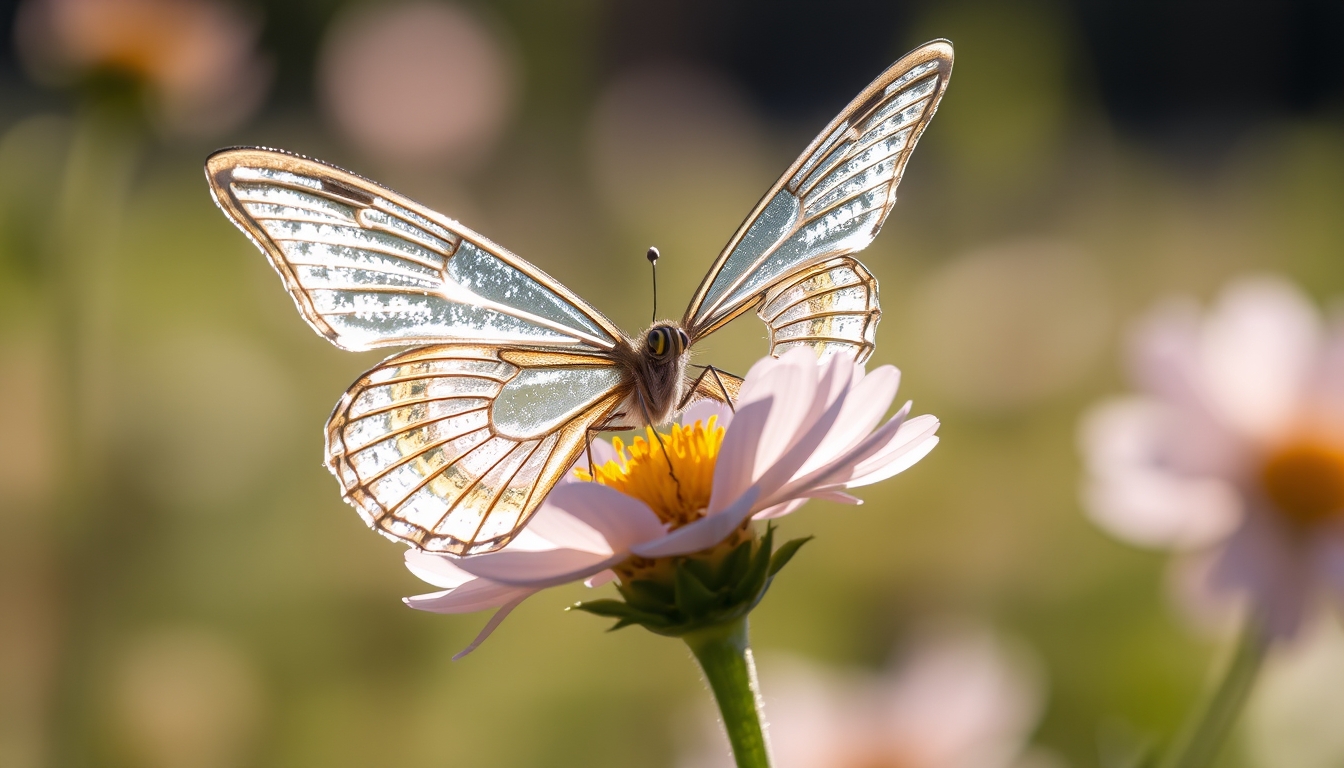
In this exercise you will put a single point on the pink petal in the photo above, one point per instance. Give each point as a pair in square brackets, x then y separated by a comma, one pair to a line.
[1140, 492]
[438, 570]
[602, 453]
[907, 457]
[907, 446]
[1258, 349]
[842, 468]
[537, 570]
[772, 479]
[489, 627]
[598, 580]
[863, 410]
[620, 520]
[474, 595]
[703, 533]
[703, 410]
[791, 391]
[562, 530]
[736, 466]
[779, 510]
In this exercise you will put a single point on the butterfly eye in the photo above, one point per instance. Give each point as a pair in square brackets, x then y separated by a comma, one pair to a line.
[683, 341]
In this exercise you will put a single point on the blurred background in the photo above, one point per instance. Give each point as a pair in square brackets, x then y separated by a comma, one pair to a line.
[180, 583]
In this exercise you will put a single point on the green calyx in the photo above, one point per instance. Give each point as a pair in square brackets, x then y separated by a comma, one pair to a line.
[701, 591]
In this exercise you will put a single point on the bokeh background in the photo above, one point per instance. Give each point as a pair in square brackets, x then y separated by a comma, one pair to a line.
[180, 584]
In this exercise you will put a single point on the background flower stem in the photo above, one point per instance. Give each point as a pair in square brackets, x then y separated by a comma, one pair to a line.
[1204, 735]
[724, 654]
[104, 153]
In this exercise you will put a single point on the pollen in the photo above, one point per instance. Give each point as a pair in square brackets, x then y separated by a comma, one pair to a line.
[679, 493]
[1306, 481]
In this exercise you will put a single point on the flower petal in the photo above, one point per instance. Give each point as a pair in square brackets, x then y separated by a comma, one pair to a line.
[619, 519]
[489, 627]
[771, 479]
[602, 453]
[1135, 491]
[779, 510]
[537, 570]
[736, 466]
[438, 570]
[474, 595]
[702, 410]
[1258, 350]
[599, 579]
[871, 452]
[864, 406]
[701, 534]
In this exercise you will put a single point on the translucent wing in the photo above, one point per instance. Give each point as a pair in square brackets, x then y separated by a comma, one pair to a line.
[369, 268]
[834, 198]
[450, 448]
[830, 307]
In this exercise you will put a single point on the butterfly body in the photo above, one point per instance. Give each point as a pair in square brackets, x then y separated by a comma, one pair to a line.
[451, 445]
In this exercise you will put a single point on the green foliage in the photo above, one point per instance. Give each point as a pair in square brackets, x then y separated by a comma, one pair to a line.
[701, 592]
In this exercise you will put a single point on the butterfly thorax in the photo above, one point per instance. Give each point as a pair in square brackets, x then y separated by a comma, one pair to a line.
[658, 366]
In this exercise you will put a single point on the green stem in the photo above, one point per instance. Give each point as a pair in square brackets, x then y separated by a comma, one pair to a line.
[104, 152]
[1203, 736]
[725, 656]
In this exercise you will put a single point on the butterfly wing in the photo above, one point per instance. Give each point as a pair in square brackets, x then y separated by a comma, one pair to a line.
[830, 203]
[450, 448]
[369, 268]
[830, 307]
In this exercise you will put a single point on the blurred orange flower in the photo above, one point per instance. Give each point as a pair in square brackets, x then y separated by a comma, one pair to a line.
[195, 59]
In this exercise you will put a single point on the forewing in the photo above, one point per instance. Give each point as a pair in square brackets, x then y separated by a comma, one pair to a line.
[834, 198]
[369, 268]
[829, 307]
[450, 448]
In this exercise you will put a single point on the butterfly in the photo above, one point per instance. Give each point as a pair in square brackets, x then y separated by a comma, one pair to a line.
[451, 445]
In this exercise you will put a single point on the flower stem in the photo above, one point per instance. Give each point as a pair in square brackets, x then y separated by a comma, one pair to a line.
[725, 655]
[1203, 736]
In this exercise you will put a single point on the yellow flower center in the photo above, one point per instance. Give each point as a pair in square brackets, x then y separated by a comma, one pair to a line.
[641, 470]
[1306, 481]
[679, 493]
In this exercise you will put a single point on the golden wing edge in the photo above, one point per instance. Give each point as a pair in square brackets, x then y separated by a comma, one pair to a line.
[569, 445]
[939, 50]
[871, 311]
[356, 189]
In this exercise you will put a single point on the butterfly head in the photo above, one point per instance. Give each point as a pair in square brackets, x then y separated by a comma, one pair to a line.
[665, 342]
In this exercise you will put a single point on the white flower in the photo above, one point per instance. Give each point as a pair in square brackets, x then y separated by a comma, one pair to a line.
[956, 700]
[801, 430]
[1234, 451]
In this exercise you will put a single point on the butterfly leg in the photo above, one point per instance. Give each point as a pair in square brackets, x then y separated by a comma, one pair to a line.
[708, 370]
[605, 426]
[648, 417]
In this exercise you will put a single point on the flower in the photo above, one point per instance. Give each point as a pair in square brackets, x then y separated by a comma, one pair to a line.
[1234, 450]
[957, 699]
[195, 58]
[801, 430]
[418, 82]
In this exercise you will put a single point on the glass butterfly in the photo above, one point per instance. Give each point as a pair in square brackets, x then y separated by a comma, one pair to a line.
[451, 445]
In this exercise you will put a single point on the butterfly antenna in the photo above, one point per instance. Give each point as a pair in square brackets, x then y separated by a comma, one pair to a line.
[652, 256]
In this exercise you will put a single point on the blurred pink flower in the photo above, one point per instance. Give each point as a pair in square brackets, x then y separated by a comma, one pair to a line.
[1234, 450]
[196, 58]
[802, 430]
[957, 700]
[417, 82]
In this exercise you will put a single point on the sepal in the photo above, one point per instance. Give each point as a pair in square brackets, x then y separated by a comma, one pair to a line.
[701, 590]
